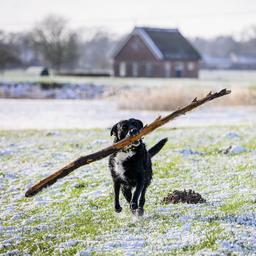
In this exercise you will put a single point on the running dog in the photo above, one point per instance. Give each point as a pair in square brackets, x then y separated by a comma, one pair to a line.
[131, 168]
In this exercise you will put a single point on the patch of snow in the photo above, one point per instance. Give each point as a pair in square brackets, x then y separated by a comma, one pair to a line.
[99, 142]
[48, 114]
[4, 245]
[10, 176]
[14, 252]
[40, 227]
[68, 244]
[93, 194]
[187, 227]
[188, 151]
[61, 91]
[234, 149]
[247, 220]
[232, 135]
[231, 246]
[86, 252]
[129, 244]
[46, 164]
[50, 237]
[16, 216]
[6, 151]
[53, 133]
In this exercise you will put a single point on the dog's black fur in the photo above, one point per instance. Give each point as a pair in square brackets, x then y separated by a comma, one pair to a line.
[131, 167]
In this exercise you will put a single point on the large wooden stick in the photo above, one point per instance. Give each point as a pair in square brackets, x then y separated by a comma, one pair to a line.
[83, 160]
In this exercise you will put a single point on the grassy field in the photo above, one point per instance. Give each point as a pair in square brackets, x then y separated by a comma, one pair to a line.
[75, 216]
[212, 79]
[135, 93]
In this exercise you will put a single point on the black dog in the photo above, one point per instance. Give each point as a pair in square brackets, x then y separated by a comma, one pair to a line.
[131, 167]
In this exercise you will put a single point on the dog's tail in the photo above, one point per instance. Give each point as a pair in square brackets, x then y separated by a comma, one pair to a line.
[156, 148]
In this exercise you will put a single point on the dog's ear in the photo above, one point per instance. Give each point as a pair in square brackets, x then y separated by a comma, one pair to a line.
[140, 124]
[113, 130]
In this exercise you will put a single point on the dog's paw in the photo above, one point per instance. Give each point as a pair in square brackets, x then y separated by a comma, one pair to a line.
[133, 206]
[134, 212]
[140, 211]
[118, 209]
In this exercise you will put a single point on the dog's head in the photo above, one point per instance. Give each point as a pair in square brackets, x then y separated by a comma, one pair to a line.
[126, 128]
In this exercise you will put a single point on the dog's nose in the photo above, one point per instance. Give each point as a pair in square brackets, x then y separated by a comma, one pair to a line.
[134, 132]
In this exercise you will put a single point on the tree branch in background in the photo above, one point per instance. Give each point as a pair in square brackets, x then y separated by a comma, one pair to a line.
[56, 43]
[84, 160]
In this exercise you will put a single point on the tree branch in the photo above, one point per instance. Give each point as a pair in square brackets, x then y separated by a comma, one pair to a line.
[84, 160]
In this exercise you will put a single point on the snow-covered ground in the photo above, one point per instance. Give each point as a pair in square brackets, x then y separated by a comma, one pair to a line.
[75, 216]
[71, 114]
[30, 90]
[212, 151]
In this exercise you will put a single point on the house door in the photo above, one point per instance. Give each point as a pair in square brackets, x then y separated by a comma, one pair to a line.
[178, 73]
[179, 69]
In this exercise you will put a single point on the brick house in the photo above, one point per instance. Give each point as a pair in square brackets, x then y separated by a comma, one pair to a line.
[154, 52]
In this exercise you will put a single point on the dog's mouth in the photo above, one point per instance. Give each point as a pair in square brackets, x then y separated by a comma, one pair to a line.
[134, 132]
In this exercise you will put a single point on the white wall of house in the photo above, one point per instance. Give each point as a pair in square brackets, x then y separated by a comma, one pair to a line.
[122, 69]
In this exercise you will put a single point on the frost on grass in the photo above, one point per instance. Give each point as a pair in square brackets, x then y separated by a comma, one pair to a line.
[75, 216]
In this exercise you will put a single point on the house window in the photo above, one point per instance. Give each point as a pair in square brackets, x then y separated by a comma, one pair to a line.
[122, 69]
[135, 69]
[168, 69]
[191, 66]
[179, 66]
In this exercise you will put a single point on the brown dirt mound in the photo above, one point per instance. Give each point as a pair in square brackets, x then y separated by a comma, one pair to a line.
[190, 197]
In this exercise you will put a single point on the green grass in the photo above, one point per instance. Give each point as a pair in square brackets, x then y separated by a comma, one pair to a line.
[76, 214]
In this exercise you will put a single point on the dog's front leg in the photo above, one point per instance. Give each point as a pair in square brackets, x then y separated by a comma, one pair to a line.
[142, 201]
[137, 192]
[117, 185]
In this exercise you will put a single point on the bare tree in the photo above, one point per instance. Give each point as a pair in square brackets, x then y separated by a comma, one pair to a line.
[248, 45]
[72, 53]
[9, 54]
[220, 46]
[57, 45]
[96, 51]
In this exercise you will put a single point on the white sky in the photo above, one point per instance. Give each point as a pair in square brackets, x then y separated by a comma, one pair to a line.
[205, 18]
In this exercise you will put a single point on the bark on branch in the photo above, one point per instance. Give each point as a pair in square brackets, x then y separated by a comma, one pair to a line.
[83, 160]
